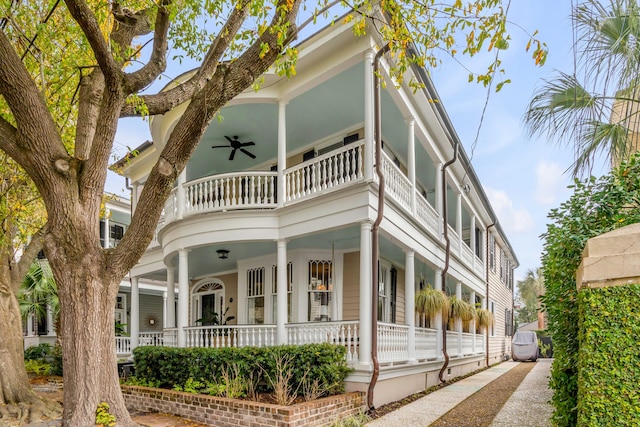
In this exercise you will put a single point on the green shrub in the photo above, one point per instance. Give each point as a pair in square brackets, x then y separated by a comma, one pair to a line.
[40, 352]
[37, 367]
[596, 207]
[56, 361]
[170, 367]
[609, 367]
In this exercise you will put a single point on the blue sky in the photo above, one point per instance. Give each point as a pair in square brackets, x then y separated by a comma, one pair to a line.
[523, 177]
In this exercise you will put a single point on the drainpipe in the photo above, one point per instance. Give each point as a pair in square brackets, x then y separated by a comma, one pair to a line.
[374, 229]
[487, 292]
[447, 250]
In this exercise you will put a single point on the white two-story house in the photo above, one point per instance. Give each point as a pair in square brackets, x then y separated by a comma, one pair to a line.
[267, 238]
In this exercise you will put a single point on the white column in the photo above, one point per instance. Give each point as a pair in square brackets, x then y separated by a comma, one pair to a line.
[282, 308]
[459, 218]
[134, 320]
[459, 321]
[472, 237]
[365, 295]
[50, 329]
[411, 160]
[439, 195]
[183, 296]
[437, 284]
[282, 151]
[472, 326]
[134, 197]
[410, 307]
[107, 234]
[368, 116]
[171, 298]
[180, 196]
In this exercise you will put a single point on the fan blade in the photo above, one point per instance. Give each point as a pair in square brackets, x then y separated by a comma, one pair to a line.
[247, 153]
[220, 146]
[247, 144]
[233, 153]
[228, 139]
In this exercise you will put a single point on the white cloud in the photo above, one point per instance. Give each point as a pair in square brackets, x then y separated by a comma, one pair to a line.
[512, 219]
[549, 182]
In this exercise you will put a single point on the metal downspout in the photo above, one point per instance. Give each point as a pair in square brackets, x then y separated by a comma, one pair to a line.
[487, 293]
[375, 246]
[447, 250]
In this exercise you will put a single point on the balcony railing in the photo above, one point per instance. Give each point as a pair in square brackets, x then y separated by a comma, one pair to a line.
[427, 344]
[344, 333]
[397, 185]
[328, 171]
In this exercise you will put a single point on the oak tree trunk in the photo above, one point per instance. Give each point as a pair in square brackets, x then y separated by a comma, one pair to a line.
[87, 299]
[18, 403]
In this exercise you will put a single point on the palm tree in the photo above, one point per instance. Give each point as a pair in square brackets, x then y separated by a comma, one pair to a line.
[529, 291]
[595, 109]
[39, 290]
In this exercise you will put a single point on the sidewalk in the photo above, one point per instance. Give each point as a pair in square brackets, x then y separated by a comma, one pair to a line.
[530, 397]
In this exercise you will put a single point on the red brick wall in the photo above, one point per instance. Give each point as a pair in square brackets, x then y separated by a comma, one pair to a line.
[223, 412]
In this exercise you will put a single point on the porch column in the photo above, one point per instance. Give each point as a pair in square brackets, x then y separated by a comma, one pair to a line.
[459, 321]
[459, 219]
[409, 306]
[180, 196]
[183, 296]
[439, 195]
[134, 197]
[50, 329]
[364, 353]
[282, 151]
[171, 298]
[472, 325]
[411, 160]
[437, 284]
[107, 234]
[368, 116]
[135, 313]
[281, 298]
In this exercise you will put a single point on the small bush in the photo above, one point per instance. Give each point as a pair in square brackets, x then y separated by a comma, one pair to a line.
[56, 361]
[37, 367]
[41, 352]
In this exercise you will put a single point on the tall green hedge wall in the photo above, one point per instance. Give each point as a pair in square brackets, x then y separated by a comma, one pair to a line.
[609, 356]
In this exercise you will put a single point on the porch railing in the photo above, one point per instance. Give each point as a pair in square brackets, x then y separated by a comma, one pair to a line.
[392, 342]
[452, 344]
[246, 190]
[231, 336]
[330, 170]
[427, 216]
[467, 343]
[397, 185]
[123, 346]
[171, 337]
[426, 343]
[344, 333]
[151, 338]
[480, 348]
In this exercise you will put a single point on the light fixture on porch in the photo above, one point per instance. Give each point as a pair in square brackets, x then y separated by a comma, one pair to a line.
[223, 253]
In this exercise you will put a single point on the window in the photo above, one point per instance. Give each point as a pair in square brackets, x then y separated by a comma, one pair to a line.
[508, 322]
[116, 233]
[255, 295]
[492, 309]
[274, 290]
[478, 241]
[320, 290]
[387, 292]
[207, 303]
[121, 311]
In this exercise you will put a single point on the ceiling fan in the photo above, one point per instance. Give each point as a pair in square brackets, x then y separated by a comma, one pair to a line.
[236, 145]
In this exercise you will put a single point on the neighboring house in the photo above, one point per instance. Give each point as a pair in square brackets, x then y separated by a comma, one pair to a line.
[273, 225]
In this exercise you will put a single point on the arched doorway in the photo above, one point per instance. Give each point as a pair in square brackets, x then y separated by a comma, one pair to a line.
[207, 302]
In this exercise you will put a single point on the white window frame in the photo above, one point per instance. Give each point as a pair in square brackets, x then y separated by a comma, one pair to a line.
[215, 287]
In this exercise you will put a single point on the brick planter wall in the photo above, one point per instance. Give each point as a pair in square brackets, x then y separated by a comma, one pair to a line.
[223, 412]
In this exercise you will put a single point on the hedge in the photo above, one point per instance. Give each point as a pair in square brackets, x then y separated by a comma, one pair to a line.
[609, 363]
[168, 367]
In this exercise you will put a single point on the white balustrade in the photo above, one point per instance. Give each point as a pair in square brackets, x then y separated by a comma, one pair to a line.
[245, 190]
[328, 171]
[454, 240]
[480, 348]
[151, 338]
[171, 207]
[467, 343]
[123, 346]
[426, 344]
[397, 185]
[170, 338]
[426, 215]
[341, 333]
[467, 254]
[392, 342]
[478, 266]
[452, 344]
[231, 336]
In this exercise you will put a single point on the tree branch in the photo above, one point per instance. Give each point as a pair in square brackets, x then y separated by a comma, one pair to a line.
[83, 15]
[8, 140]
[167, 100]
[31, 251]
[143, 77]
[222, 85]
